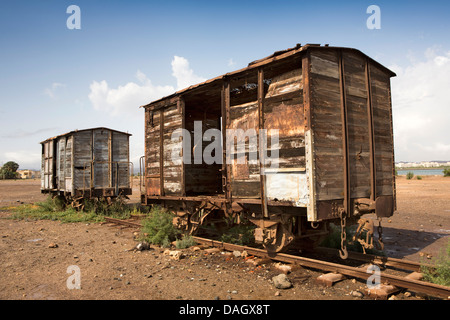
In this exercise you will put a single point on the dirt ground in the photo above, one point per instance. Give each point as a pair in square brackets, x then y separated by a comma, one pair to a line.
[33, 270]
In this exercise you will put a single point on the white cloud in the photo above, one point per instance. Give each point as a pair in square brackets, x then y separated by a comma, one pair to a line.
[231, 63]
[126, 99]
[421, 107]
[25, 158]
[183, 73]
[51, 92]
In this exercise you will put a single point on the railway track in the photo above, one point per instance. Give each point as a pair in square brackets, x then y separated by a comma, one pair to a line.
[430, 289]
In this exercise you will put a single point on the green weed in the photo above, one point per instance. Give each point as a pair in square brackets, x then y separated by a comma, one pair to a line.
[158, 228]
[441, 273]
[185, 242]
[241, 234]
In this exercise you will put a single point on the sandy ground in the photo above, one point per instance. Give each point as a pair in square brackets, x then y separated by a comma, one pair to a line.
[30, 269]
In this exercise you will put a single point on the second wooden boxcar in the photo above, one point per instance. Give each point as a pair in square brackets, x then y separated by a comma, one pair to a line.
[86, 164]
[330, 108]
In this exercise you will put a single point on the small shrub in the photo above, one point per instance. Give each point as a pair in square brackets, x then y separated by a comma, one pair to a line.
[419, 177]
[185, 242]
[117, 209]
[158, 228]
[52, 204]
[447, 172]
[441, 274]
[241, 234]
[409, 175]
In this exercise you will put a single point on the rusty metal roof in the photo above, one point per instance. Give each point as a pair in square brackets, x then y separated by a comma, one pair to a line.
[276, 56]
[74, 131]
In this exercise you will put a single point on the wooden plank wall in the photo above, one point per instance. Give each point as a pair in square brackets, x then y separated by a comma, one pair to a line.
[152, 152]
[47, 166]
[68, 164]
[120, 153]
[283, 110]
[102, 171]
[356, 97]
[60, 163]
[245, 179]
[82, 157]
[172, 171]
[327, 120]
[382, 118]
[64, 163]
[326, 124]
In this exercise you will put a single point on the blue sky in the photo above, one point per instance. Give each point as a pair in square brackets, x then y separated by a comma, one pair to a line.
[127, 53]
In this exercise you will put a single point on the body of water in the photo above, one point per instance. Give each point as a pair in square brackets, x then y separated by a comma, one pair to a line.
[422, 172]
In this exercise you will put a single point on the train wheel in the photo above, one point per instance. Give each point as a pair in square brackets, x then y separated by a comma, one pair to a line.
[282, 239]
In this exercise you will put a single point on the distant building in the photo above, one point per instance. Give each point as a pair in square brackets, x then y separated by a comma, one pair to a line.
[422, 164]
[28, 174]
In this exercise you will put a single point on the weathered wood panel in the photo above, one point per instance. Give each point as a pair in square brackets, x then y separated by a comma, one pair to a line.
[172, 167]
[284, 112]
[68, 165]
[383, 141]
[102, 166]
[152, 152]
[242, 150]
[326, 124]
[283, 115]
[120, 155]
[356, 100]
[48, 170]
[82, 159]
[60, 164]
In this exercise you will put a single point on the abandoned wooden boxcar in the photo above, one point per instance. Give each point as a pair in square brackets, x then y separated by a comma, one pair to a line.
[86, 163]
[331, 110]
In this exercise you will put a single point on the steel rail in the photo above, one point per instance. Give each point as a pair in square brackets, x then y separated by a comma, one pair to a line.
[123, 222]
[380, 260]
[431, 289]
[360, 273]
